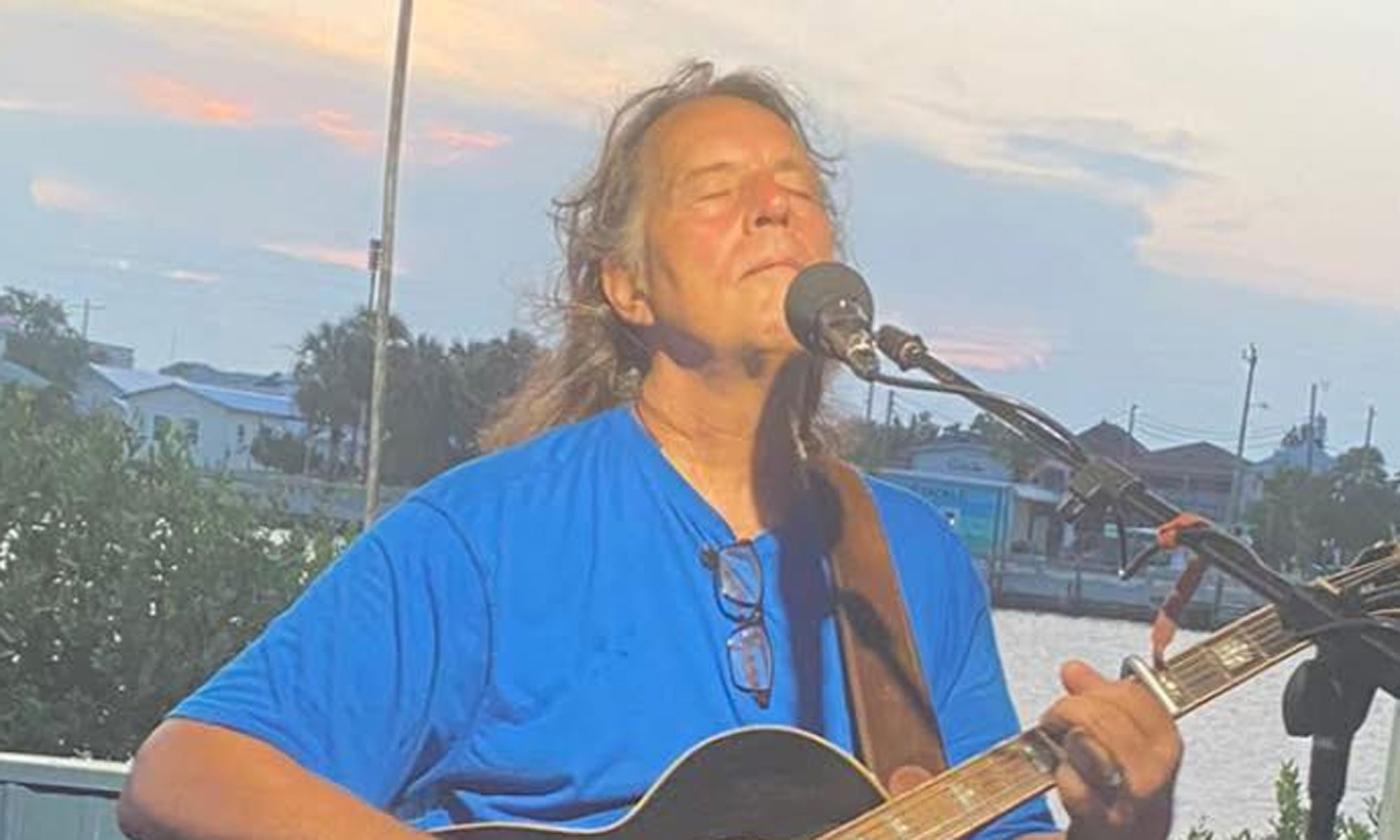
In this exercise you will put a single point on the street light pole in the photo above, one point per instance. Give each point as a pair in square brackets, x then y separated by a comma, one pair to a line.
[386, 261]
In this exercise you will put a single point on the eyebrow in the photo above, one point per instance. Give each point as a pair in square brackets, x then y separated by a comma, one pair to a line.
[785, 165]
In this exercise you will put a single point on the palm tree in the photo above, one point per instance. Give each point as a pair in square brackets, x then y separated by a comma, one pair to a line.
[333, 370]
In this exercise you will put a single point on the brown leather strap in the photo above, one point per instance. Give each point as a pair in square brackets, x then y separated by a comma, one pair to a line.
[896, 728]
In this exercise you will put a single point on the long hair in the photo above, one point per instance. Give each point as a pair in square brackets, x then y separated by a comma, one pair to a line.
[599, 361]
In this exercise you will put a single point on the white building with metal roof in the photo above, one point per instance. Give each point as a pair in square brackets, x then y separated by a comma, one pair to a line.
[219, 424]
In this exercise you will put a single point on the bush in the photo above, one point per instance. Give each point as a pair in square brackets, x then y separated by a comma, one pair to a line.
[1292, 820]
[125, 580]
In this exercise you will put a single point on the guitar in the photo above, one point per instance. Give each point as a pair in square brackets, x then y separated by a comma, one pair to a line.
[777, 783]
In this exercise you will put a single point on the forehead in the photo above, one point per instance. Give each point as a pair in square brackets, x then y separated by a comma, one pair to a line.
[720, 129]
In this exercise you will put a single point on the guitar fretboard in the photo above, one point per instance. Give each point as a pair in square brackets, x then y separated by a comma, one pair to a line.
[977, 791]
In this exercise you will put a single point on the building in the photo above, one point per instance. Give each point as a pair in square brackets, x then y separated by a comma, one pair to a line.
[1196, 477]
[219, 424]
[975, 491]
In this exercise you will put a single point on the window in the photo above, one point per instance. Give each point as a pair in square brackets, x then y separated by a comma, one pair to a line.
[160, 427]
[242, 434]
[192, 431]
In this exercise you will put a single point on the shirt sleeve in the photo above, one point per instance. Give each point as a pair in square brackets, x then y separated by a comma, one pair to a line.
[351, 680]
[958, 650]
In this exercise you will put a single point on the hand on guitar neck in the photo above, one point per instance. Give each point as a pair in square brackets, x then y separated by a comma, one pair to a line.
[1121, 752]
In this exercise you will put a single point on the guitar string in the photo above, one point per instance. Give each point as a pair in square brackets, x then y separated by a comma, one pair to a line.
[936, 794]
[1204, 656]
[929, 796]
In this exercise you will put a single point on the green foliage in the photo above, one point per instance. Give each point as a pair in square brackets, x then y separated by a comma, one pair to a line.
[437, 400]
[282, 451]
[45, 343]
[125, 579]
[1310, 523]
[1291, 822]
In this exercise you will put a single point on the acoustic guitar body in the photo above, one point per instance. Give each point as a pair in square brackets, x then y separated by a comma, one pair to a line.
[759, 783]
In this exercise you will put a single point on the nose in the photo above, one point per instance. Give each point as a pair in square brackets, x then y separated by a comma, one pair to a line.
[770, 204]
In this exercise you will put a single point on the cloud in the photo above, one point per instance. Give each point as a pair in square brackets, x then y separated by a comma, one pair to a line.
[29, 106]
[184, 102]
[186, 276]
[1258, 144]
[354, 258]
[999, 352]
[340, 127]
[446, 145]
[59, 194]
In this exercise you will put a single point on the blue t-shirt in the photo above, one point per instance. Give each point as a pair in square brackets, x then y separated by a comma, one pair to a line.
[533, 636]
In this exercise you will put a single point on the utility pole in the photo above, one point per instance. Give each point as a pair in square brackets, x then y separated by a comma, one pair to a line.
[869, 401]
[1311, 440]
[1370, 424]
[376, 251]
[1232, 512]
[1132, 424]
[386, 263]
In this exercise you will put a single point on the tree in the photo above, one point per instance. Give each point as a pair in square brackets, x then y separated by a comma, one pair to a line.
[1309, 523]
[45, 343]
[125, 579]
[333, 369]
[1019, 454]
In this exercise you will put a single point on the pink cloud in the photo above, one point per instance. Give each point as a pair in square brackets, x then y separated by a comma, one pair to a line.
[1000, 354]
[356, 258]
[449, 145]
[341, 128]
[62, 195]
[187, 103]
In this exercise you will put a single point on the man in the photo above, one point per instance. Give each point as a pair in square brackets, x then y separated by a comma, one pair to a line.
[535, 636]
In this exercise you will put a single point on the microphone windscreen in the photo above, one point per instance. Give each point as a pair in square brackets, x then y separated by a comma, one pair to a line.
[813, 289]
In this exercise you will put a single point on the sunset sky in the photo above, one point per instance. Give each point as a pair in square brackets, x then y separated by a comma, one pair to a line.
[1087, 204]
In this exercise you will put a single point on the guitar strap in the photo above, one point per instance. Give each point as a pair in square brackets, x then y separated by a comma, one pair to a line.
[896, 728]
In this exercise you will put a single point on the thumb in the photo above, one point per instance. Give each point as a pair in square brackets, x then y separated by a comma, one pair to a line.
[1079, 677]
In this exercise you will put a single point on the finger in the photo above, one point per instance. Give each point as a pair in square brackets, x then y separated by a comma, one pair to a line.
[1078, 797]
[1105, 745]
[1093, 764]
[1079, 677]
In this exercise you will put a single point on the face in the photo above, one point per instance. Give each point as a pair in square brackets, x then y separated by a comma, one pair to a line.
[732, 211]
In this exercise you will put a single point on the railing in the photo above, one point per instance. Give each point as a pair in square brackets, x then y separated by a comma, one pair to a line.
[46, 798]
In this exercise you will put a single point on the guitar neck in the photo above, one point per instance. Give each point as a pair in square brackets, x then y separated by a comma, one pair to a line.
[974, 793]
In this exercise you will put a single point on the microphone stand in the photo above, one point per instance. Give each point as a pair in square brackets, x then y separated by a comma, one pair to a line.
[1327, 697]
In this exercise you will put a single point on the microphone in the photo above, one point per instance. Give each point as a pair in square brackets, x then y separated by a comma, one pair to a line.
[829, 310]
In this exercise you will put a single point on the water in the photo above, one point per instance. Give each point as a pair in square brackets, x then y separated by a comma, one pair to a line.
[1234, 746]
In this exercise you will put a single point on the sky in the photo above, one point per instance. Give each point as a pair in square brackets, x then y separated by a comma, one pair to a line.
[1088, 205]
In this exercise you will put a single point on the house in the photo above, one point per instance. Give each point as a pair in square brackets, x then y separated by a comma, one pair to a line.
[219, 424]
[975, 491]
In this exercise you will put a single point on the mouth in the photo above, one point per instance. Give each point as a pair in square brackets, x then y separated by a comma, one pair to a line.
[792, 263]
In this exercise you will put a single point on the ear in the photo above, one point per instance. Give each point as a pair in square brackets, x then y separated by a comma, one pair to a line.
[626, 294]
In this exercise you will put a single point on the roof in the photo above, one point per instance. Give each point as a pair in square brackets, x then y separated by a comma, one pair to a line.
[248, 402]
[20, 375]
[252, 402]
[129, 380]
[133, 382]
[1111, 441]
[1192, 457]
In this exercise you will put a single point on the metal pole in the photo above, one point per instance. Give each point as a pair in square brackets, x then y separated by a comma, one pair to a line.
[386, 261]
[869, 402]
[1312, 425]
[1370, 422]
[1232, 513]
